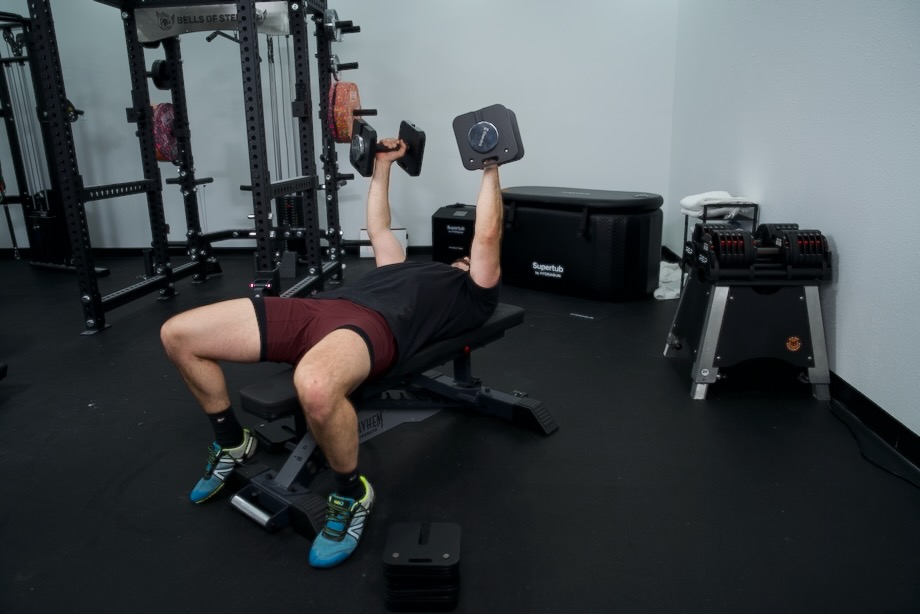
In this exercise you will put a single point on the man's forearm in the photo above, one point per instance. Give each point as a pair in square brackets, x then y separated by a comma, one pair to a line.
[378, 199]
[489, 210]
[485, 254]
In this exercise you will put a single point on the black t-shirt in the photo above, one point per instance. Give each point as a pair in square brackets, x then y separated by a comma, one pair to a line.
[421, 301]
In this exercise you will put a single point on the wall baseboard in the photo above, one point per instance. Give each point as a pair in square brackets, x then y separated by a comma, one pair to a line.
[881, 438]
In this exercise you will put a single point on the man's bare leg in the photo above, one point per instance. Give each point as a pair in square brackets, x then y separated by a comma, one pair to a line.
[195, 341]
[325, 377]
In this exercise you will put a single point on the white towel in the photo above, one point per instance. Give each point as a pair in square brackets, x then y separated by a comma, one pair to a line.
[669, 278]
[694, 201]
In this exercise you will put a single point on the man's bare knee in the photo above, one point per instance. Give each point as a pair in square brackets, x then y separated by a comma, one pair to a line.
[177, 335]
[170, 336]
[317, 398]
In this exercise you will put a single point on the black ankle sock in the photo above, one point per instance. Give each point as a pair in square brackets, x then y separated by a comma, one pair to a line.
[228, 432]
[349, 485]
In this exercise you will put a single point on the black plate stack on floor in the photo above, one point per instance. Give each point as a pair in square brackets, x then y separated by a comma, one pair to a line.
[421, 565]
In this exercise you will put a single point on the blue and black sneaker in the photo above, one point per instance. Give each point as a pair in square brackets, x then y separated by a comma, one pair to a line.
[345, 520]
[221, 463]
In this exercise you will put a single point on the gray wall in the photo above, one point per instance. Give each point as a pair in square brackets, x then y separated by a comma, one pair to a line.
[592, 93]
[807, 107]
[813, 110]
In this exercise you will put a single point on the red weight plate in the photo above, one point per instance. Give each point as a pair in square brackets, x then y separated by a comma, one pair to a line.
[347, 101]
[330, 111]
[167, 146]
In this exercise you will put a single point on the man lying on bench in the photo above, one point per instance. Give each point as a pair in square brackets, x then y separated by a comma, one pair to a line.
[336, 341]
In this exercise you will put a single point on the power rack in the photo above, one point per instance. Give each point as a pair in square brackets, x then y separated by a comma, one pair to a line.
[36, 115]
[294, 242]
[297, 237]
[59, 232]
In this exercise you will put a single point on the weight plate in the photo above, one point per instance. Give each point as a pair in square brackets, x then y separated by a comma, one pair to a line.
[330, 18]
[358, 148]
[159, 74]
[347, 101]
[334, 67]
[167, 146]
[363, 147]
[330, 111]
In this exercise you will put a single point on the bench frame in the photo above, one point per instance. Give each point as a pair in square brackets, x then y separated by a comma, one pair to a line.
[410, 393]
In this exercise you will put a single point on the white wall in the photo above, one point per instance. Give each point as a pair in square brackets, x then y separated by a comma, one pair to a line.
[592, 92]
[813, 109]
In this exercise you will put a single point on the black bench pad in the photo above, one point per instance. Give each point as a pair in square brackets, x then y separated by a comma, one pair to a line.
[275, 397]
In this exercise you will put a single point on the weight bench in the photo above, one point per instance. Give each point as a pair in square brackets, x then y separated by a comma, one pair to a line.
[410, 393]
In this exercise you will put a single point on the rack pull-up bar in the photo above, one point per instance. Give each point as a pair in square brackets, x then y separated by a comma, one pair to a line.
[154, 24]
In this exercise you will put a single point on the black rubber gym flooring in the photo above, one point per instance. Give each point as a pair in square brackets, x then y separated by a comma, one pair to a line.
[755, 500]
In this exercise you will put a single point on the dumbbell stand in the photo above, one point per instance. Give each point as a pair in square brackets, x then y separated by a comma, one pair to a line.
[726, 323]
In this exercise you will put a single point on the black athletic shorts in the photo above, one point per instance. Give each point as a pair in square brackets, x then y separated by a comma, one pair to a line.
[289, 327]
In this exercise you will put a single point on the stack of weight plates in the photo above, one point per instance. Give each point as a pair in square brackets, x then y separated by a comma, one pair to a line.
[421, 565]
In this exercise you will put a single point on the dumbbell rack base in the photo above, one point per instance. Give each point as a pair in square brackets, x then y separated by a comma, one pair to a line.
[726, 323]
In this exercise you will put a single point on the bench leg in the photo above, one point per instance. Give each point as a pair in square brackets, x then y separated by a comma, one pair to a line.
[517, 408]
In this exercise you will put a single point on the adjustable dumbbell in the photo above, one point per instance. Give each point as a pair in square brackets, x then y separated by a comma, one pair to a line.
[806, 248]
[716, 247]
[734, 248]
[364, 146]
[797, 248]
[489, 135]
[774, 235]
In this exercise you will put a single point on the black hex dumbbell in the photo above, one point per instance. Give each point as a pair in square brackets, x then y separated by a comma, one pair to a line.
[364, 146]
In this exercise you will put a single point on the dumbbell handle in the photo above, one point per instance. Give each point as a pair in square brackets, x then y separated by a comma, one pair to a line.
[378, 148]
